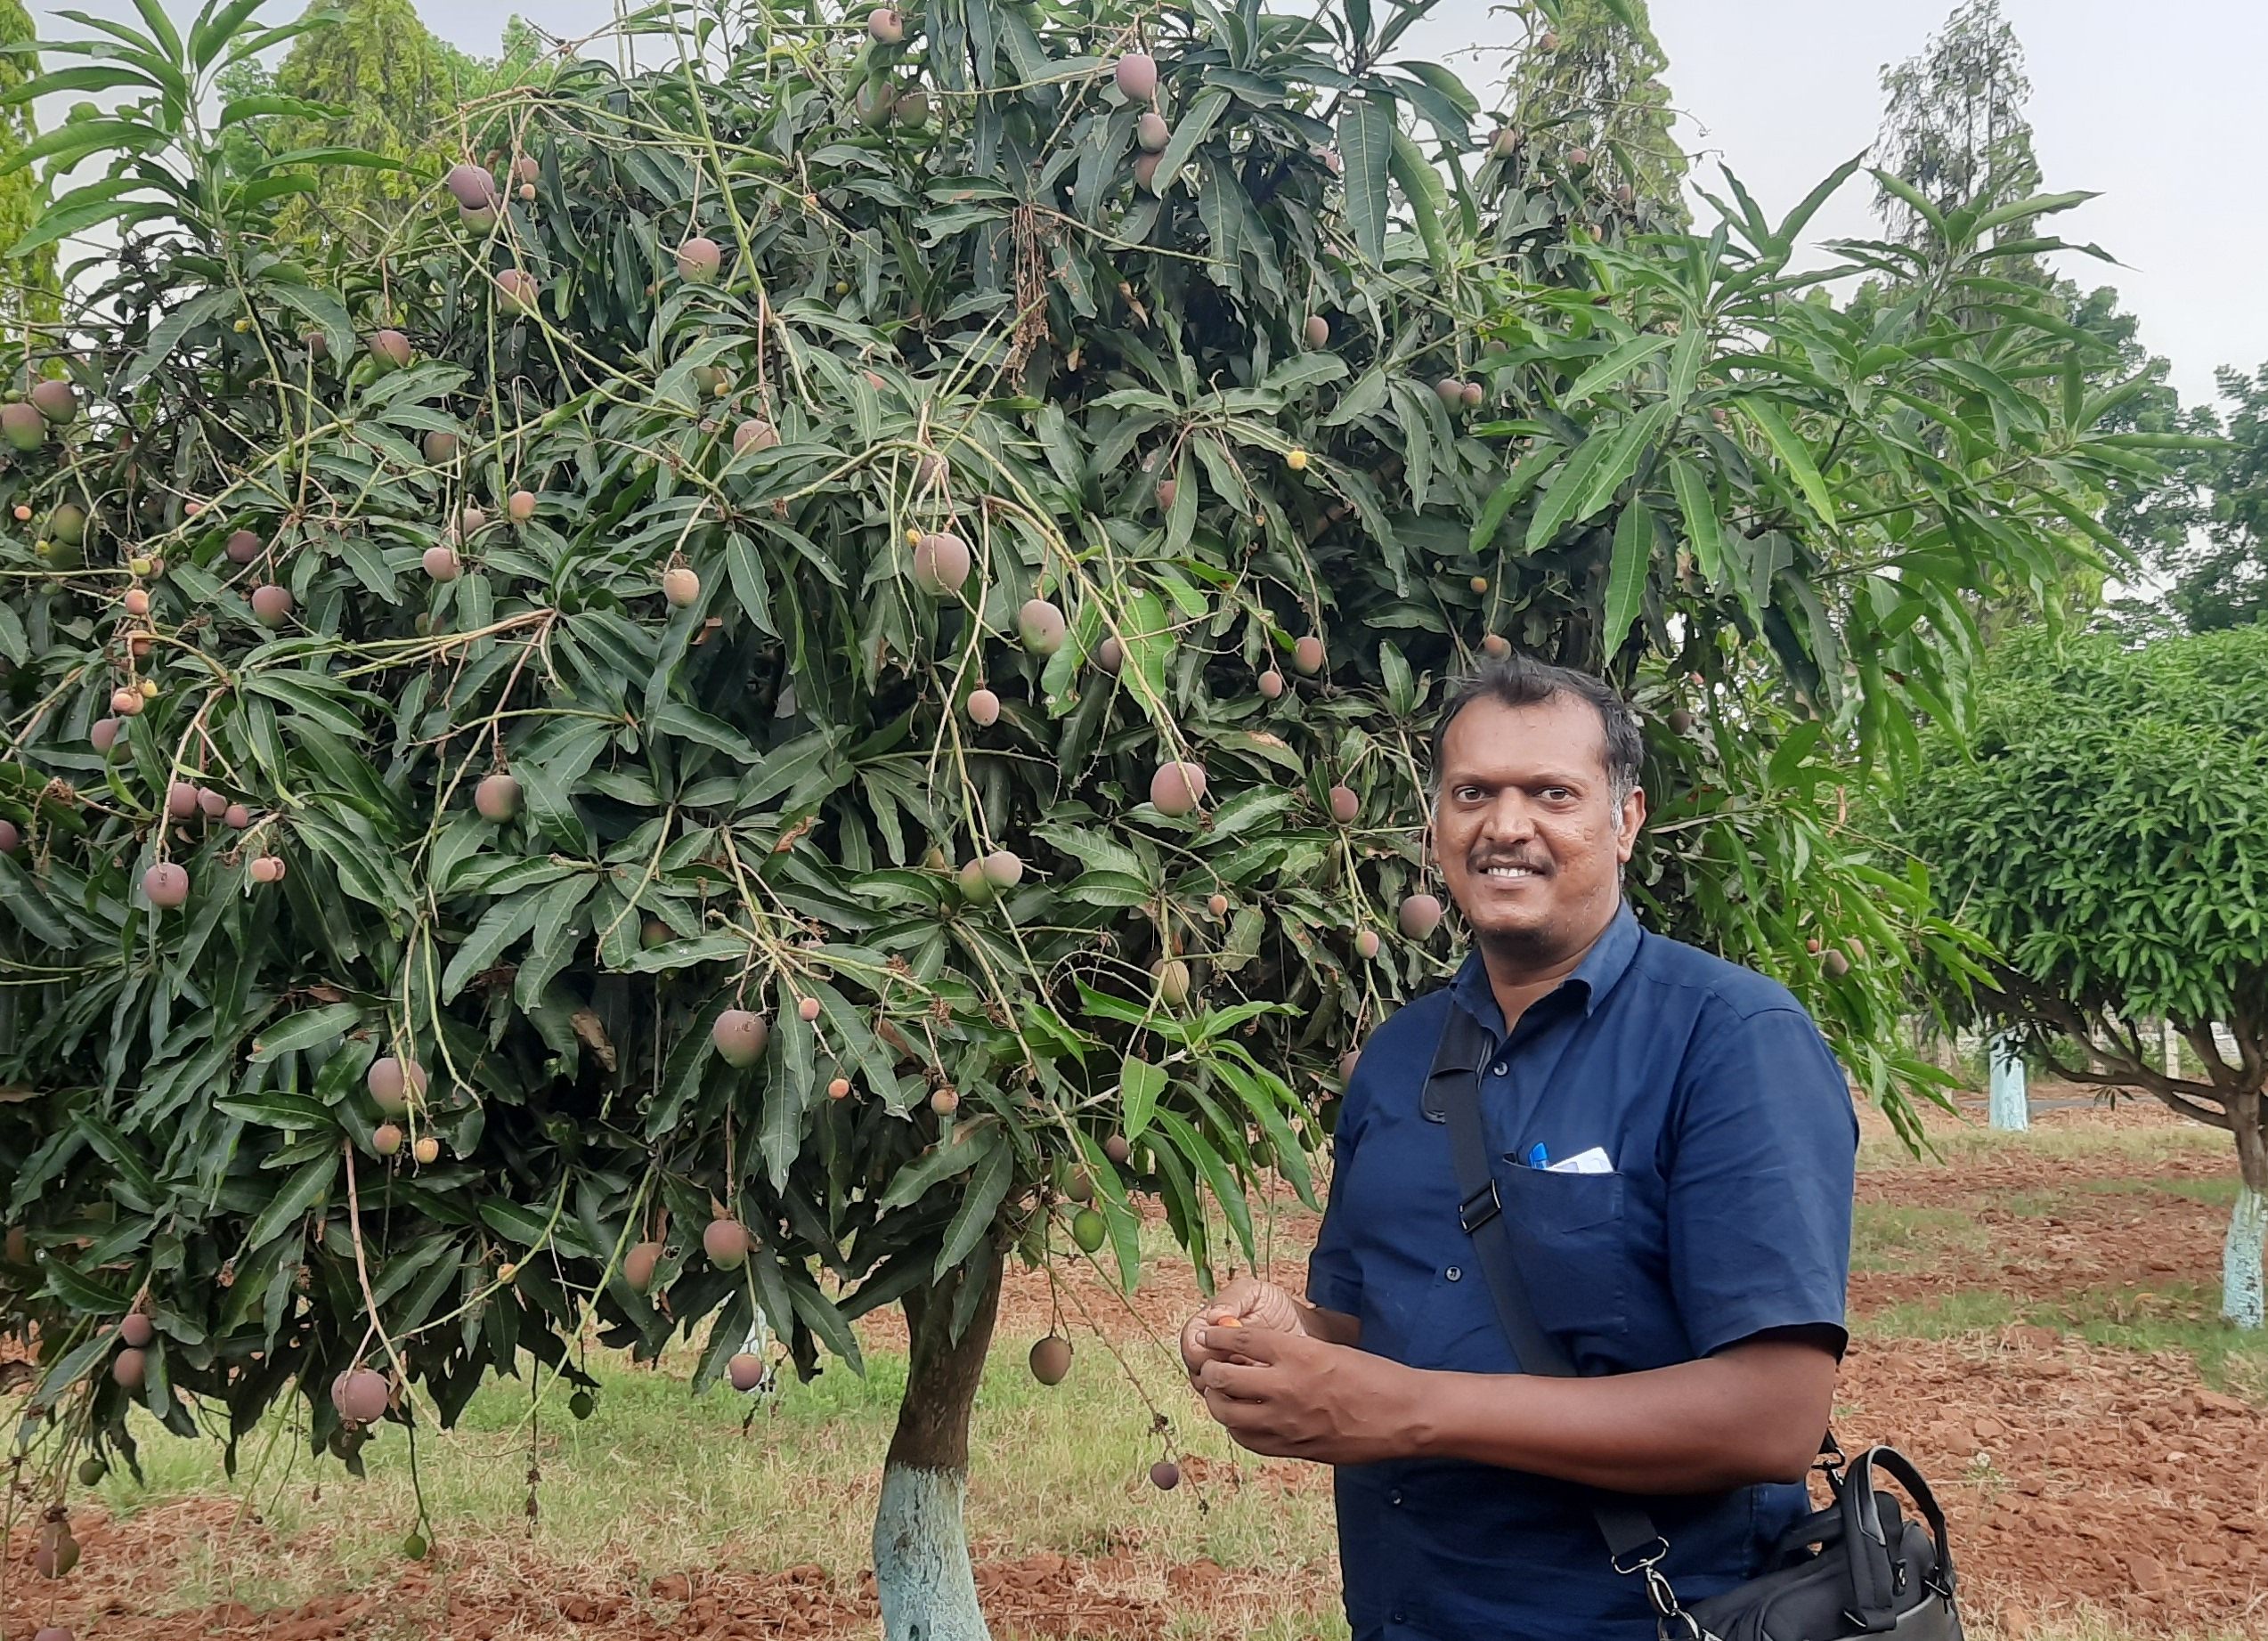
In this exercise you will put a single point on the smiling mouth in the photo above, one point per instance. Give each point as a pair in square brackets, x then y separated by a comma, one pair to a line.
[1510, 874]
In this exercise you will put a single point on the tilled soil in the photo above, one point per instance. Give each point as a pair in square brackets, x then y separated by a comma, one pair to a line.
[2075, 1475]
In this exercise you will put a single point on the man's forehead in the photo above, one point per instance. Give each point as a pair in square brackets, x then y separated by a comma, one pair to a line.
[1562, 733]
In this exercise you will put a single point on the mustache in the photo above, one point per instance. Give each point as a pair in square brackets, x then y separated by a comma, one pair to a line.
[1530, 862]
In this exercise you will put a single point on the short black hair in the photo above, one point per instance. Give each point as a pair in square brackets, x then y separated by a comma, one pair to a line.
[1520, 680]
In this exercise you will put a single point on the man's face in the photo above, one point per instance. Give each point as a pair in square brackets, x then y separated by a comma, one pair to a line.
[1530, 840]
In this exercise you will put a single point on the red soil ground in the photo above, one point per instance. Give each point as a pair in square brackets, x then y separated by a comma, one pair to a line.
[2076, 1474]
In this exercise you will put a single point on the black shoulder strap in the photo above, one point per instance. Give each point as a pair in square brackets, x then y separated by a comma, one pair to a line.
[1628, 1531]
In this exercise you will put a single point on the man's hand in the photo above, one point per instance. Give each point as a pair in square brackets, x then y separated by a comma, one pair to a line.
[1246, 1303]
[1289, 1396]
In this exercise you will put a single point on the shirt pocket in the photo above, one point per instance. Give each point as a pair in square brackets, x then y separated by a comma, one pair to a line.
[1571, 1244]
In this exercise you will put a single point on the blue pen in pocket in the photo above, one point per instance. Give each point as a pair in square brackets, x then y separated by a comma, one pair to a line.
[1538, 1158]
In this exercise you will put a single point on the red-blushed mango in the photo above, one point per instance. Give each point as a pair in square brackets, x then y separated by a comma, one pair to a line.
[213, 804]
[1346, 1064]
[1004, 868]
[984, 708]
[1136, 75]
[393, 1082]
[235, 817]
[1051, 1359]
[1167, 488]
[698, 259]
[1041, 626]
[807, 1010]
[1345, 805]
[427, 1151]
[136, 1331]
[680, 585]
[1272, 684]
[1451, 392]
[520, 505]
[1419, 916]
[361, 1396]
[386, 1139]
[1307, 655]
[1367, 944]
[1151, 132]
[9, 838]
[1110, 655]
[391, 349]
[270, 605]
[1217, 905]
[58, 401]
[181, 800]
[166, 885]
[267, 868]
[940, 564]
[442, 563]
[1317, 330]
[1145, 173]
[242, 547]
[725, 1242]
[745, 1372]
[639, 1265]
[885, 26]
[755, 433]
[1177, 788]
[945, 1102]
[130, 1367]
[497, 798]
[1496, 646]
[1117, 1149]
[127, 702]
[517, 290]
[839, 1088]
[1164, 1475]
[1172, 975]
[473, 187]
[739, 1037]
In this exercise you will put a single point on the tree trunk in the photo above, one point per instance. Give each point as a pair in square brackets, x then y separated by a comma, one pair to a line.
[2244, 1296]
[921, 1570]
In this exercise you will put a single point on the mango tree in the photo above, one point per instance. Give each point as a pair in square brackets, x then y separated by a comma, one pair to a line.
[815, 681]
[2101, 827]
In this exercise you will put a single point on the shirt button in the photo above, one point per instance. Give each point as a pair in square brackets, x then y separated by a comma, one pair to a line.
[1455, 1273]
[1396, 1618]
[1394, 1497]
[1500, 1068]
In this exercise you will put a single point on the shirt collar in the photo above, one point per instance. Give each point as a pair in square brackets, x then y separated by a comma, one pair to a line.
[1607, 961]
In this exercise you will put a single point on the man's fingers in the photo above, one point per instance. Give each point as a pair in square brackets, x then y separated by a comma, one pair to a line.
[1255, 1344]
[1237, 1380]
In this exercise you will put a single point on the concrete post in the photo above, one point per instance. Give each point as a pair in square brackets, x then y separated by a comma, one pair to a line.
[2010, 1105]
[2172, 1040]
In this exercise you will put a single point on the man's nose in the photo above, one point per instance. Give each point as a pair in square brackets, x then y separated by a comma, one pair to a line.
[1508, 819]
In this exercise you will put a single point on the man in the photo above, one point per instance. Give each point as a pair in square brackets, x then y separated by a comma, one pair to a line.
[1673, 1144]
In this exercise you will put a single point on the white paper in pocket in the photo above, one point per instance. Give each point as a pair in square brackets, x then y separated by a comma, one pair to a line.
[1592, 1161]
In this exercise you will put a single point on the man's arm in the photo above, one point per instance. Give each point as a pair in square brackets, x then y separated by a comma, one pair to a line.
[1752, 1412]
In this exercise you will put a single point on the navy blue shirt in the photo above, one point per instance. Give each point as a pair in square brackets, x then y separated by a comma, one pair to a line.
[1732, 1141]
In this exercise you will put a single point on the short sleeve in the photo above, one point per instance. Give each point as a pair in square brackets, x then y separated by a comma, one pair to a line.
[1334, 1275]
[1760, 1180]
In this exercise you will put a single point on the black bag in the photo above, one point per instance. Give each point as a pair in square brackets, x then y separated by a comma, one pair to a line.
[1856, 1568]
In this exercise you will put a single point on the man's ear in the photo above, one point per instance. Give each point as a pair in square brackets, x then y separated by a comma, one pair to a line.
[1628, 823]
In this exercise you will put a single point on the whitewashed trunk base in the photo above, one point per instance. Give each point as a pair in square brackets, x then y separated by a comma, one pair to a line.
[2244, 1301]
[922, 1572]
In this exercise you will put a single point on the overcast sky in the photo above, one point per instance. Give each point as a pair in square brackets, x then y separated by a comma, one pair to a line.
[2158, 108]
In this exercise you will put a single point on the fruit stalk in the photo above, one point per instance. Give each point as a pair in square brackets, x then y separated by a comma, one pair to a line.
[922, 1572]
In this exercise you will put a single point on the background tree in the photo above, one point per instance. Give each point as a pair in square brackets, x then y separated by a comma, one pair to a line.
[1592, 79]
[2216, 568]
[2102, 832]
[1954, 126]
[819, 703]
[28, 292]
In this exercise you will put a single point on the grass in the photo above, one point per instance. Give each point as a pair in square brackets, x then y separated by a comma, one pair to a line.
[658, 1481]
